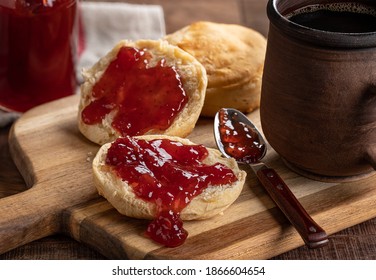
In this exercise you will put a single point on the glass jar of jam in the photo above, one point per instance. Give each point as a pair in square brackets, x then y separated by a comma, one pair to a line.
[38, 41]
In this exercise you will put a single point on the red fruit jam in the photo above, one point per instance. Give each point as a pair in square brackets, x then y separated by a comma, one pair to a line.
[239, 140]
[37, 52]
[168, 174]
[144, 97]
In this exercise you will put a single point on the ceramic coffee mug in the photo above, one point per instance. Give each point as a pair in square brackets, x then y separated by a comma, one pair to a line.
[318, 101]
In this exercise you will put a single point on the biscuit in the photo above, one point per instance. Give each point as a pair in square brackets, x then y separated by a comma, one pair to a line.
[233, 56]
[213, 200]
[188, 70]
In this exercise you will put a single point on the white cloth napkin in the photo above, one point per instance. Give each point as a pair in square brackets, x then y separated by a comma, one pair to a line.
[103, 25]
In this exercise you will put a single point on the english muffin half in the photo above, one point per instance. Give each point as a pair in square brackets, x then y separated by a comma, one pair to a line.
[233, 56]
[166, 179]
[139, 88]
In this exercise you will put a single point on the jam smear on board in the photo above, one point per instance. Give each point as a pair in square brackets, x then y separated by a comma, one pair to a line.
[143, 97]
[239, 140]
[169, 174]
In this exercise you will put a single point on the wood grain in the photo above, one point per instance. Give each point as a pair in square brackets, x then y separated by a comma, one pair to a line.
[55, 160]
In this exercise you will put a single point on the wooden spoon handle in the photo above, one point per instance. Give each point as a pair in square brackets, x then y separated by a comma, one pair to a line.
[312, 234]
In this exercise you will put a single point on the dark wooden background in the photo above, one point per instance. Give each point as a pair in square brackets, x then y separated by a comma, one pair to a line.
[358, 242]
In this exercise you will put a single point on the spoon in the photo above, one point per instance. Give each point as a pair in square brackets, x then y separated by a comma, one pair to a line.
[238, 138]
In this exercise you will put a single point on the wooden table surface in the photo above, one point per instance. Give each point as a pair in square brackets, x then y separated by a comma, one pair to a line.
[357, 242]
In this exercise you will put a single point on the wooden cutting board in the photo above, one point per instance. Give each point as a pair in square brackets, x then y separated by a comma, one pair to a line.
[55, 161]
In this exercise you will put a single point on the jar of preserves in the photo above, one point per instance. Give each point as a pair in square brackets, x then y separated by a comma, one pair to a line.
[38, 45]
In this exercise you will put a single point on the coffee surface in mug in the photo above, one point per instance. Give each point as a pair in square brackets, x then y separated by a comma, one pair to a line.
[336, 17]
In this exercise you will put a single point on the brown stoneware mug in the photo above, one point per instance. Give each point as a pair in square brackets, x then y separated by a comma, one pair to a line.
[318, 100]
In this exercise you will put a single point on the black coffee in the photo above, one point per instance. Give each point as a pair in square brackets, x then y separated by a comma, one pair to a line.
[337, 17]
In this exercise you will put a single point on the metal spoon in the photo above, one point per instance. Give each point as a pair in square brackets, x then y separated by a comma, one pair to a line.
[238, 138]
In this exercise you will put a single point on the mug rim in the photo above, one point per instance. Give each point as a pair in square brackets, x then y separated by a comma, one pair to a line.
[316, 36]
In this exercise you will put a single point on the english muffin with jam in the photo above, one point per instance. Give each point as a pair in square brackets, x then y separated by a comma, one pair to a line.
[139, 88]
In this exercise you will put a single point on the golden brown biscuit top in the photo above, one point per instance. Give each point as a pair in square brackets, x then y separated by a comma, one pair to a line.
[230, 53]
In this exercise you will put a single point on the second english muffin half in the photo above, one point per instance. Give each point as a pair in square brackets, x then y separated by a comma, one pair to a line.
[140, 88]
[233, 56]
